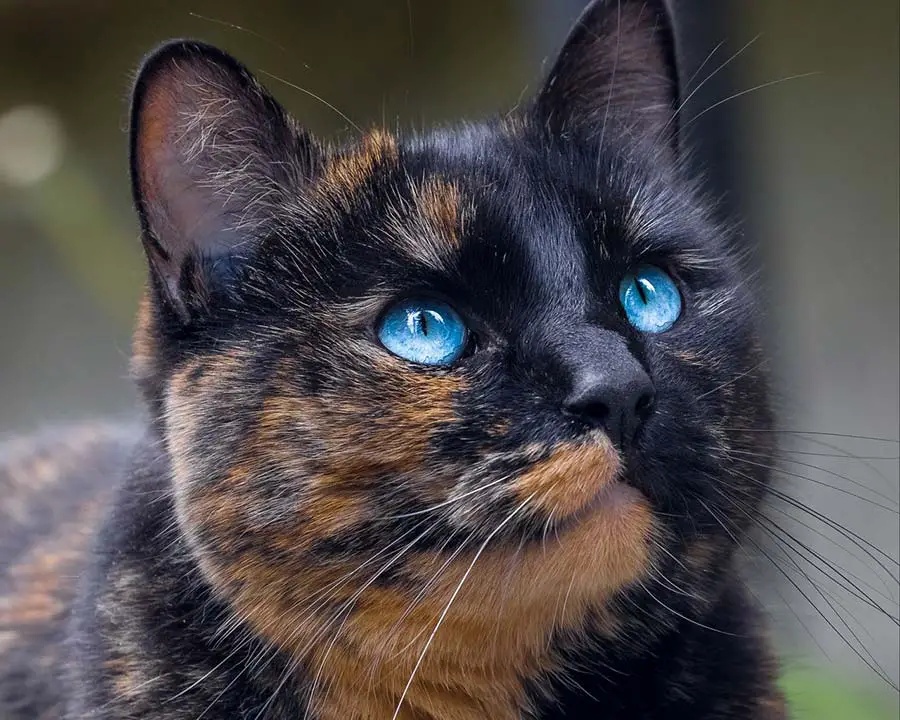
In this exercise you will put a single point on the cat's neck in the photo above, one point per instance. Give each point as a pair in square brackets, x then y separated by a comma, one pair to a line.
[476, 627]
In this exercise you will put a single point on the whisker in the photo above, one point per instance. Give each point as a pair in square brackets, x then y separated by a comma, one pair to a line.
[311, 94]
[732, 380]
[761, 86]
[422, 592]
[723, 522]
[850, 480]
[203, 677]
[677, 614]
[860, 651]
[834, 542]
[816, 433]
[867, 658]
[842, 456]
[558, 617]
[453, 500]
[342, 609]
[819, 442]
[844, 491]
[334, 638]
[612, 80]
[233, 26]
[844, 582]
[700, 67]
[709, 77]
[453, 597]
[872, 551]
[224, 690]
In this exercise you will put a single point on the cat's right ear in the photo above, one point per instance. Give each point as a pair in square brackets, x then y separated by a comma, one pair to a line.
[212, 155]
[617, 66]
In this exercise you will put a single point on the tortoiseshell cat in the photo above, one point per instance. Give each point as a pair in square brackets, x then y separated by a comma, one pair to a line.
[440, 427]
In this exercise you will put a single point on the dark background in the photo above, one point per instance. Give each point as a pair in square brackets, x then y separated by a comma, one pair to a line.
[808, 166]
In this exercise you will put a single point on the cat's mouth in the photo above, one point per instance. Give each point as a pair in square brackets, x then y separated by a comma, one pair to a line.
[571, 478]
[613, 497]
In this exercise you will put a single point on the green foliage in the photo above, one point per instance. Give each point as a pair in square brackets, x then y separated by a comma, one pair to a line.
[816, 695]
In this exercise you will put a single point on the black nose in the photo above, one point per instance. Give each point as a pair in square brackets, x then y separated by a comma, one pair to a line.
[618, 398]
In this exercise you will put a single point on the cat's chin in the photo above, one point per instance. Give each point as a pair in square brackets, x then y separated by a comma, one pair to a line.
[612, 500]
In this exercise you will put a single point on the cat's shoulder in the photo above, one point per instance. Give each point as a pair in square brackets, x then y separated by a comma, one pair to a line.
[55, 487]
[47, 475]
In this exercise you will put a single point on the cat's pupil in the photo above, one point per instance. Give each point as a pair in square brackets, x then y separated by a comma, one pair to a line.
[641, 290]
[418, 323]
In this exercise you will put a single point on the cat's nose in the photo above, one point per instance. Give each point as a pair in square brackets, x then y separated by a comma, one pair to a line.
[618, 399]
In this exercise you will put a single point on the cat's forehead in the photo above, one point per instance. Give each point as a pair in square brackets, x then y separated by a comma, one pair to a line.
[504, 186]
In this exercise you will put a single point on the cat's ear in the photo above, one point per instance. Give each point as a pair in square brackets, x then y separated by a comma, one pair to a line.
[212, 155]
[617, 66]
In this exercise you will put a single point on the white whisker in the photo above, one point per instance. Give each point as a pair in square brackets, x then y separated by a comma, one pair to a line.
[459, 585]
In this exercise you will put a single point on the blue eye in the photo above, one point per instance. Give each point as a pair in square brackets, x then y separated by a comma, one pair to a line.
[651, 299]
[423, 331]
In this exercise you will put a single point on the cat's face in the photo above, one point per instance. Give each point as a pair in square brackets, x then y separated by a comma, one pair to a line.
[514, 357]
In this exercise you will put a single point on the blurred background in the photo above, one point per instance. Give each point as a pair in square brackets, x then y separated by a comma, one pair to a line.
[795, 128]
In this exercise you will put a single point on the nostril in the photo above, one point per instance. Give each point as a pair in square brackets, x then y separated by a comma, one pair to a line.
[588, 409]
[644, 405]
[620, 408]
[608, 389]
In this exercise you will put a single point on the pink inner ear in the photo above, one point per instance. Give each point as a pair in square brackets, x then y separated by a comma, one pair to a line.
[153, 134]
[162, 180]
[212, 155]
[178, 208]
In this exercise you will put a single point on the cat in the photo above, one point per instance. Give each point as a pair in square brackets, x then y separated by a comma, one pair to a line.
[439, 426]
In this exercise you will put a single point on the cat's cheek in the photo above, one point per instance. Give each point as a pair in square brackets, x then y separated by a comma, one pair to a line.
[376, 414]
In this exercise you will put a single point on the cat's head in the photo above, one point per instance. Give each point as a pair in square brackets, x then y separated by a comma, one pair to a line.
[513, 357]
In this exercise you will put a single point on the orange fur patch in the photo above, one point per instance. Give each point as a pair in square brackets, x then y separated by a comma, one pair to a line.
[362, 639]
[183, 380]
[700, 554]
[438, 202]
[142, 345]
[347, 172]
[429, 229]
[689, 357]
[494, 636]
[356, 440]
[571, 477]
[358, 450]
[333, 513]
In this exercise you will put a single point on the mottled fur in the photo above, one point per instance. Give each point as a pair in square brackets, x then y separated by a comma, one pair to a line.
[54, 491]
[313, 527]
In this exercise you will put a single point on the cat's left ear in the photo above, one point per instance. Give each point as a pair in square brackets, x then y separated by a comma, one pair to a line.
[617, 67]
